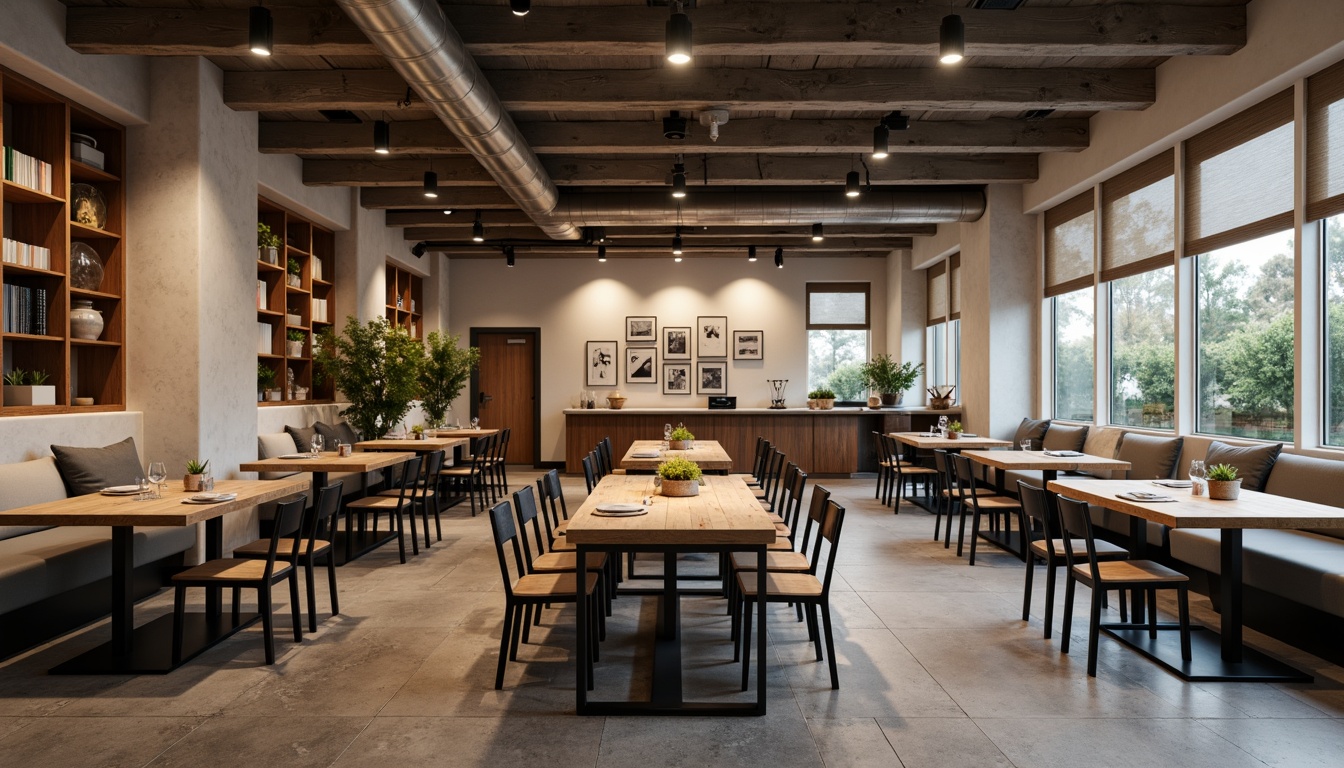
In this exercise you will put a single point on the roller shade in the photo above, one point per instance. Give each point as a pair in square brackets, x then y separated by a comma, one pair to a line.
[937, 290]
[838, 306]
[1138, 218]
[954, 286]
[1325, 143]
[1070, 245]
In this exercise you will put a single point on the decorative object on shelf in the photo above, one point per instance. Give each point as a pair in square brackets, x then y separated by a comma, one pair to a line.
[84, 149]
[940, 396]
[446, 371]
[28, 388]
[268, 244]
[294, 343]
[615, 401]
[293, 318]
[292, 272]
[265, 380]
[890, 380]
[1223, 482]
[300, 393]
[418, 432]
[289, 383]
[86, 269]
[85, 321]
[641, 365]
[748, 345]
[677, 378]
[680, 439]
[777, 387]
[273, 395]
[677, 342]
[88, 206]
[874, 402]
[711, 336]
[711, 378]
[641, 330]
[194, 480]
[680, 477]
[377, 366]
[83, 401]
[600, 363]
[821, 399]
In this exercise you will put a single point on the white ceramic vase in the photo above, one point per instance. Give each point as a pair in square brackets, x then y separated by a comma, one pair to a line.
[85, 321]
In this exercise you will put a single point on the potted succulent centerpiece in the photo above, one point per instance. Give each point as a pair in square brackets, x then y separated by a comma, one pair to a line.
[680, 439]
[268, 244]
[446, 370]
[195, 477]
[418, 432]
[28, 388]
[821, 399]
[680, 477]
[954, 430]
[292, 273]
[294, 343]
[1223, 482]
[889, 379]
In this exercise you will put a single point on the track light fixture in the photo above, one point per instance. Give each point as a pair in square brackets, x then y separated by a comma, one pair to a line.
[431, 184]
[520, 7]
[260, 30]
[477, 230]
[602, 253]
[751, 253]
[951, 40]
[852, 187]
[508, 255]
[676, 244]
[679, 179]
[779, 258]
[677, 38]
[881, 141]
[382, 137]
[817, 234]
[418, 250]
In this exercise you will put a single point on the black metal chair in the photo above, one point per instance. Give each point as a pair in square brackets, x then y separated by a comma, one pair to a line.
[998, 508]
[395, 506]
[316, 535]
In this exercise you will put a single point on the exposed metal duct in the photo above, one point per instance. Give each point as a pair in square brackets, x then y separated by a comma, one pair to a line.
[415, 37]
[892, 205]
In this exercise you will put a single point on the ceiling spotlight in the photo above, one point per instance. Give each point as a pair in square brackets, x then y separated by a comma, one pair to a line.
[674, 127]
[602, 253]
[852, 188]
[951, 40]
[418, 250]
[260, 31]
[508, 255]
[817, 235]
[679, 181]
[881, 141]
[477, 230]
[382, 137]
[678, 36]
[447, 211]
[751, 253]
[520, 7]
[676, 244]
[779, 258]
[431, 184]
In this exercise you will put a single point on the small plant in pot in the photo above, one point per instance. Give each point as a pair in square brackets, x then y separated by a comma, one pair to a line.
[954, 430]
[194, 480]
[680, 477]
[418, 432]
[822, 398]
[292, 272]
[1223, 482]
[28, 388]
[268, 244]
[265, 382]
[680, 439]
[890, 380]
[294, 343]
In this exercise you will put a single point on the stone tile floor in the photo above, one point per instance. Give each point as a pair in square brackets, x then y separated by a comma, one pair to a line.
[936, 669]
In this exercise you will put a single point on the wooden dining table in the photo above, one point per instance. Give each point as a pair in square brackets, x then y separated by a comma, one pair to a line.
[724, 517]
[925, 442]
[1215, 657]
[708, 454]
[147, 649]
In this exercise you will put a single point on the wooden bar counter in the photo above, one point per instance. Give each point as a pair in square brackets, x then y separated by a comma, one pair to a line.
[834, 442]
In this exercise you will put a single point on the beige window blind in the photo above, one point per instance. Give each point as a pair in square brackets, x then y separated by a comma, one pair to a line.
[1070, 245]
[937, 287]
[1239, 177]
[1325, 143]
[954, 287]
[1138, 218]
[838, 306]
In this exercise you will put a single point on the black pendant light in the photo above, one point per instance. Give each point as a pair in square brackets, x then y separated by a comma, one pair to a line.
[676, 245]
[817, 234]
[951, 40]
[260, 30]
[431, 184]
[477, 230]
[751, 253]
[602, 253]
[881, 141]
[508, 255]
[679, 180]
[779, 258]
[852, 188]
[520, 7]
[678, 36]
[382, 137]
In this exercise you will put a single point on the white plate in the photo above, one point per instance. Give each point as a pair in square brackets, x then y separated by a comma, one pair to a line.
[645, 455]
[620, 508]
[1064, 454]
[292, 456]
[636, 513]
[121, 489]
[210, 498]
[1173, 483]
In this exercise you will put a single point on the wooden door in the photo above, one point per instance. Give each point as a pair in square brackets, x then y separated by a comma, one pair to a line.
[506, 393]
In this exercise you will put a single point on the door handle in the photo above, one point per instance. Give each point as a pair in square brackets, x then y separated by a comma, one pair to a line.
[483, 398]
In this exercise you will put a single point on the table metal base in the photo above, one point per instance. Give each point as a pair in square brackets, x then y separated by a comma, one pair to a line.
[153, 646]
[1206, 664]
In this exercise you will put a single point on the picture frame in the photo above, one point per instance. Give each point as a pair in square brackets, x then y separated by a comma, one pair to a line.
[641, 329]
[677, 342]
[601, 364]
[677, 378]
[711, 336]
[748, 345]
[711, 377]
[641, 365]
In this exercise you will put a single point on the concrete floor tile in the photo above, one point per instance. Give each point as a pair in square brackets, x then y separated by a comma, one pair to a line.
[1113, 743]
[489, 742]
[854, 743]
[107, 742]
[313, 742]
[779, 740]
[1315, 743]
[942, 742]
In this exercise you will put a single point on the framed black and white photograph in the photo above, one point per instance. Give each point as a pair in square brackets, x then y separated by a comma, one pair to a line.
[641, 330]
[748, 345]
[711, 337]
[677, 342]
[641, 365]
[676, 378]
[711, 378]
[600, 362]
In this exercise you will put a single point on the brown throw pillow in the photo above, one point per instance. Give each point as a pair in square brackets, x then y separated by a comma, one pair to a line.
[1064, 438]
[1253, 462]
[1033, 430]
[89, 470]
[1150, 457]
[330, 434]
[303, 437]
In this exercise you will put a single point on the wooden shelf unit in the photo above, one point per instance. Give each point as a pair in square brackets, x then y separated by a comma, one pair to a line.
[406, 300]
[314, 249]
[38, 122]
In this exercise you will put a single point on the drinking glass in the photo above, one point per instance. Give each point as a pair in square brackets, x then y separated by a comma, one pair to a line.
[1197, 478]
[317, 445]
[143, 485]
[942, 426]
[1025, 445]
[157, 474]
[667, 435]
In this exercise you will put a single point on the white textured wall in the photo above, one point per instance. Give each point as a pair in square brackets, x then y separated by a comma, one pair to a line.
[576, 300]
[24, 438]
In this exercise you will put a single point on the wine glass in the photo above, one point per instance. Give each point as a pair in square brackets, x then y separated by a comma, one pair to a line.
[667, 435]
[1025, 445]
[475, 423]
[316, 443]
[157, 474]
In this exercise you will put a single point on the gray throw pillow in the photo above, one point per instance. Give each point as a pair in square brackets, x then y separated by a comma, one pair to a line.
[1033, 430]
[330, 434]
[1063, 438]
[347, 432]
[1253, 462]
[1150, 457]
[89, 470]
[303, 437]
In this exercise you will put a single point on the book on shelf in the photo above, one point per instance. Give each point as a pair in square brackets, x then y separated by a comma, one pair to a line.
[317, 269]
[261, 294]
[25, 309]
[27, 170]
[25, 255]
[263, 338]
[320, 311]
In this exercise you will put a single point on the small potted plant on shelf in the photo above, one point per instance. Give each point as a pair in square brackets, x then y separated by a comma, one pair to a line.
[294, 343]
[418, 432]
[292, 272]
[680, 439]
[889, 380]
[194, 480]
[680, 477]
[28, 388]
[265, 382]
[1223, 482]
[268, 244]
[821, 399]
[954, 430]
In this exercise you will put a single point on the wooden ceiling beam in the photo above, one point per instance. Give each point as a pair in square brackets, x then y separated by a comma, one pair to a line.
[838, 242]
[449, 225]
[459, 218]
[617, 255]
[979, 89]
[748, 170]
[461, 198]
[738, 29]
[749, 136]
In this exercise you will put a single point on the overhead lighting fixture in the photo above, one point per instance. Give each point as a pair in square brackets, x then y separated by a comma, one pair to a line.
[602, 253]
[817, 234]
[520, 7]
[951, 40]
[382, 137]
[678, 36]
[881, 141]
[418, 250]
[751, 253]
[260, 30]
[674, 126]
[676, 244]
[431, 184]
[477, 230]
[852, 188]
[779, 258]
[447, 211]
[679, 180]
[508, 255]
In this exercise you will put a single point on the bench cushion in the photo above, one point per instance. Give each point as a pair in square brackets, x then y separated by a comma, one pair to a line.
[1033, 430]
[271, 445]
[1061, 437]
[89, 470]
[1150, 457]
[1306, 478]
[1299, 565]
[28, 482]
[303, 437]
[1253, 462]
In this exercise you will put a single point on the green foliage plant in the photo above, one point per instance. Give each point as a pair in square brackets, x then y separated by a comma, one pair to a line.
[446, 371]
[293, 266]
[954, 426]
[679, 469]
[265, 376]
[195, 467]
[296, 335]
[886, 377]
[376, 366]
[681, 433]
[18, 377]
[821, 394]
[1222, 472]
[847, 381]
[267, 238]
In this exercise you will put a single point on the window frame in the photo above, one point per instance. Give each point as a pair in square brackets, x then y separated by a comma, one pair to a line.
[839, 288]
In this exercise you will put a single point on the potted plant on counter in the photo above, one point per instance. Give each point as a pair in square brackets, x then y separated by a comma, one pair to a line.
[680, 439]
[268, 244]
[446, 370]
[1223, 482]
[376, 366]
[680, 477]
[890, 380]
[821, 399]
[954, 430]
[28, 388]
[294, 343]
[195, 477]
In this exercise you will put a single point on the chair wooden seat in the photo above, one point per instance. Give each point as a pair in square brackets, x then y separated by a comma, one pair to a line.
[917, 469]
[567, 561]
[285, 548]
[780, 544]
[997, 502]
[774, 561]
[780, 585]
[228, 570]
[981, 493]
[562, 545]
[782, 530]
[774, 518]
[1132, 572]
[456, 472]
[390, 503]
[1105, 549]
[545, 584]
[394, 492]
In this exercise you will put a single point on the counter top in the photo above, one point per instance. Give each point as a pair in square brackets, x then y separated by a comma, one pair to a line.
[837, 411]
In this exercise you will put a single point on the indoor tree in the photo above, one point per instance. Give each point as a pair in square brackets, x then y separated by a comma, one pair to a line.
[376, 366]
[446, 369]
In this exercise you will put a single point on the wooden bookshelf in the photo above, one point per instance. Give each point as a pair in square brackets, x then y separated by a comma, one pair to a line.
[293, 307]
[38, 122]
[405, 300]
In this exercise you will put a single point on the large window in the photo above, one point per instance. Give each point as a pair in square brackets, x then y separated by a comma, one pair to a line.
[1143, 349]
[1074, 331]
[838, 321]
[1334, 331]
[1244, 320]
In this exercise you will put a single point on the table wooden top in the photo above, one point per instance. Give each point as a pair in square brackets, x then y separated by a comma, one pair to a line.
[725, 512]
[1252, 510]
[465, 432]
[328, 461]
[169, 511]
[428, 445]
[1019, 460]
[709, 454]
[925, 441]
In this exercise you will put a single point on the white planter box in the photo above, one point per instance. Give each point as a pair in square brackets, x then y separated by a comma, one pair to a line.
[44, 394]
